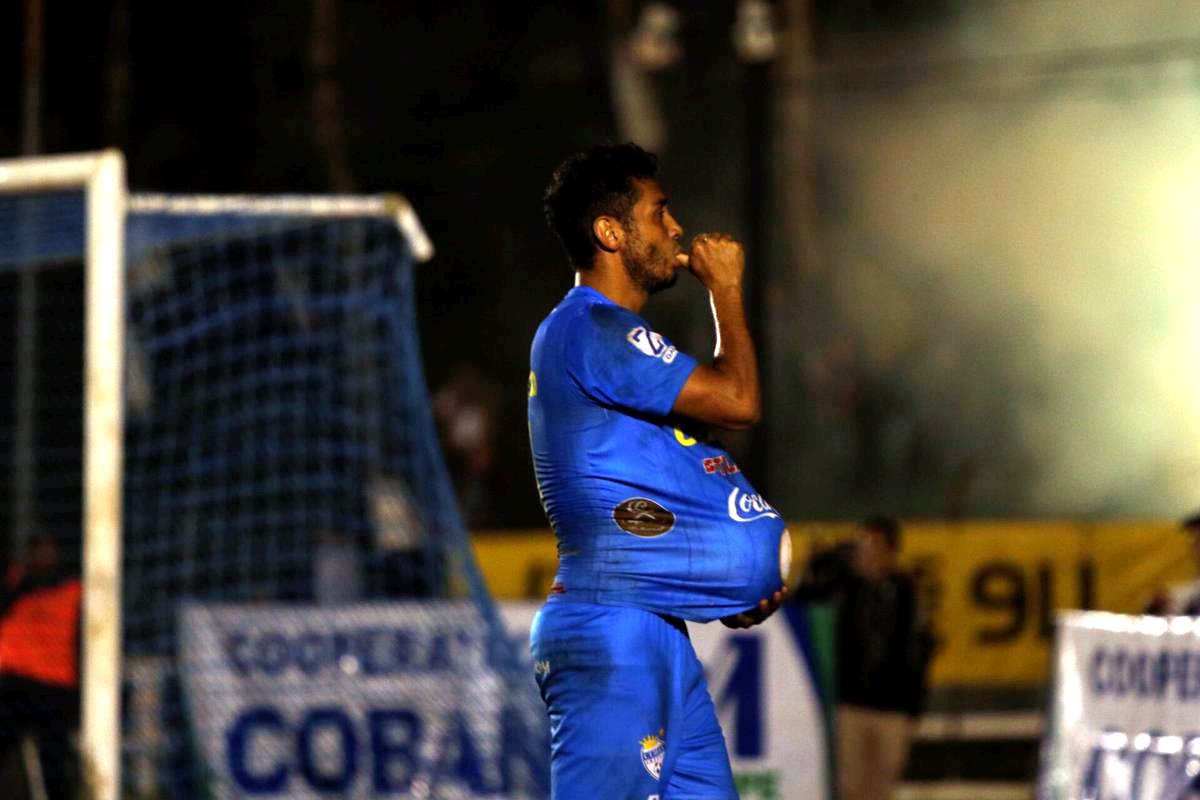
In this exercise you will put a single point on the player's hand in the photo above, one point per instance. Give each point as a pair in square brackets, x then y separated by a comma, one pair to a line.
[751, 617]
[716, 260]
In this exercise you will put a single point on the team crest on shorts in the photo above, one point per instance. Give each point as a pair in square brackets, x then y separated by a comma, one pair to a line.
[653, 751]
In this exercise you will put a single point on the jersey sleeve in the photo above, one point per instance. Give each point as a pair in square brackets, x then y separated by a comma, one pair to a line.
[617, 360]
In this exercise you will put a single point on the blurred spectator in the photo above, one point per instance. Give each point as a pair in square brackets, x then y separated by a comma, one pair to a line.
[39, 662]
[466, 411]
[405, 560]
[881, 448]
[883, 652]
[337, 569]
[1184, 598]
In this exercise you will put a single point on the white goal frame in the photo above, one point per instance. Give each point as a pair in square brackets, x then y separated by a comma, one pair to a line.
[101, 176]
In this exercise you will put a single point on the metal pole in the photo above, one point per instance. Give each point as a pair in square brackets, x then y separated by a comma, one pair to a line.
[100, 732]
[24, 467]
[118, 74]
[31, 105]
[757, 148]
[327, 94]
[796, 175]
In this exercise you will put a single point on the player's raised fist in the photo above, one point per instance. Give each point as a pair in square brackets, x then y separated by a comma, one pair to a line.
[717, 260]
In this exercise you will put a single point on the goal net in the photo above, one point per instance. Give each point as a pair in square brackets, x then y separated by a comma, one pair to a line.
[301, 611]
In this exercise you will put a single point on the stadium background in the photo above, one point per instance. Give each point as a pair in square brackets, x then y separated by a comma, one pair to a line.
[971, 226]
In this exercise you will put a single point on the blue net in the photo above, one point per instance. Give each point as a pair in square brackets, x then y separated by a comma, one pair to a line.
[42, 228]
[281, 464]
[276, 412]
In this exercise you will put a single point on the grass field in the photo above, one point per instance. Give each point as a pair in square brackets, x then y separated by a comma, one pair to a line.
[965, 791]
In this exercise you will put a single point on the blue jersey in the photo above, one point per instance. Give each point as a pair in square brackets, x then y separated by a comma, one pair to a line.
[646, 515]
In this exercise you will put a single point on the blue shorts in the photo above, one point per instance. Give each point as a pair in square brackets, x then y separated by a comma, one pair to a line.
[630, 714]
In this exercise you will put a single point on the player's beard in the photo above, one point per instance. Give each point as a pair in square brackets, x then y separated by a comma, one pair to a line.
[650, 267]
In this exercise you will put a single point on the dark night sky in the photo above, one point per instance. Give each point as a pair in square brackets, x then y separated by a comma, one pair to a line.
[463, 110]
[463, 107]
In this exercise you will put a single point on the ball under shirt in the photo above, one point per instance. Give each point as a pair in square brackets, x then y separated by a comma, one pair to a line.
[646, 514]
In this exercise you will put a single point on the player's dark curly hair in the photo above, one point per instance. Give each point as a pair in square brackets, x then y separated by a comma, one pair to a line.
[598, 181]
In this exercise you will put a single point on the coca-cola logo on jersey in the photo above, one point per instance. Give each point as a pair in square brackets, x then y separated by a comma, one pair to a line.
[746, 507]
[643, 517]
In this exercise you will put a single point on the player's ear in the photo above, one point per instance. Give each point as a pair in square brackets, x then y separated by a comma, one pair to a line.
[608, 233]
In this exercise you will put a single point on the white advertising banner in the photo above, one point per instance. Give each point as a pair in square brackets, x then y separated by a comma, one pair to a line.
[766, 699]
[363, 701]
[1125, 714]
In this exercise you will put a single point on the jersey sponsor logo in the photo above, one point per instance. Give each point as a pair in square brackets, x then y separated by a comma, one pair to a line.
[654, 750]
[745, 507]
[532, 384]
[651, 344]
[643, 517]
[720, 465]
[683, 438]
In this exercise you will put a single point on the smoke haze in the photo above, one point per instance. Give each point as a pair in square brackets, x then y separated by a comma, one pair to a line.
[1020, 249]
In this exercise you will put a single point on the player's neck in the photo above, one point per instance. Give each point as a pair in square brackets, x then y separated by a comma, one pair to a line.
[614, 283]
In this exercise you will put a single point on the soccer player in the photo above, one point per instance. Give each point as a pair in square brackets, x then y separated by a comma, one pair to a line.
[655, 525]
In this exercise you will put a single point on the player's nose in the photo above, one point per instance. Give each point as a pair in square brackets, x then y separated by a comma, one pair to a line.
[673, 226]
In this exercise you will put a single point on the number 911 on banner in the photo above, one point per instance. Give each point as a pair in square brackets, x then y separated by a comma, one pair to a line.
[1125, 714]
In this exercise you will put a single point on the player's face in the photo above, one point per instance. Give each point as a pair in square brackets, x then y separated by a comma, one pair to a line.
[652, 243]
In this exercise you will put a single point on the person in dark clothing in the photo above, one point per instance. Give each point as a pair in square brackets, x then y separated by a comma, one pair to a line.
[883, 652]
[39, 662]
[1182, 599]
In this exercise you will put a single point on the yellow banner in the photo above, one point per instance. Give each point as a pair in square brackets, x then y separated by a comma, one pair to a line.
[990, 589]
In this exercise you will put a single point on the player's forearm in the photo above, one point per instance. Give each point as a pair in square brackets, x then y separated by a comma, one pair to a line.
[734, 357]
[724, 394]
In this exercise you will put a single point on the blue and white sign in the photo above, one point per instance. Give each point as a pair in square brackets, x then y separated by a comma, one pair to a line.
[364, 701]
[1125, 720]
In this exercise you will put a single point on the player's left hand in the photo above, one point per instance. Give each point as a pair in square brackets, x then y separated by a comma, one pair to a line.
[753, 616]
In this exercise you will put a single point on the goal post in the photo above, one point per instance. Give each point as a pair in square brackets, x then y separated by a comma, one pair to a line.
[278, 583]
[101, 177]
